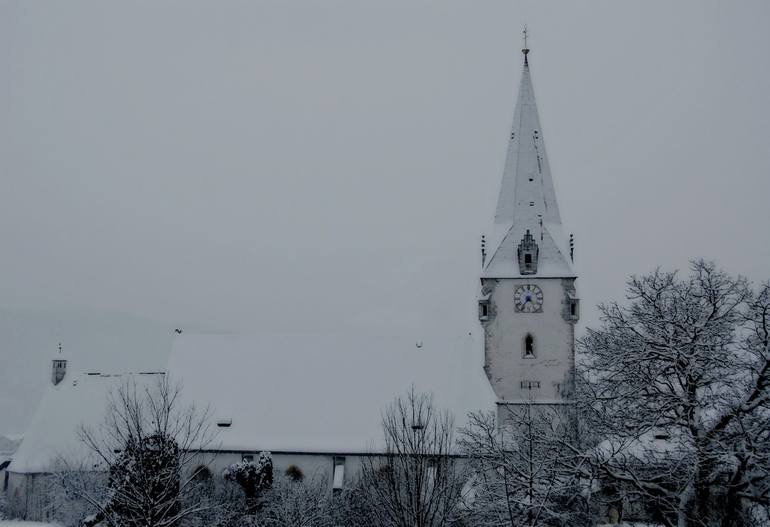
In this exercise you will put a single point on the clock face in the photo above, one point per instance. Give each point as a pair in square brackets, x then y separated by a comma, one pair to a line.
[528, 299]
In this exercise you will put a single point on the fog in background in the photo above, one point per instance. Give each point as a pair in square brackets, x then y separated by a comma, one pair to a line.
[329, 166]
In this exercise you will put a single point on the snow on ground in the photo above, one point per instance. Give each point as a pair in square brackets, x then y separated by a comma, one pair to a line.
[16, 523]
[612, 525]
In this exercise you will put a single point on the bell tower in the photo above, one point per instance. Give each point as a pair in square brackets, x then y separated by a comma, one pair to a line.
[528, 305]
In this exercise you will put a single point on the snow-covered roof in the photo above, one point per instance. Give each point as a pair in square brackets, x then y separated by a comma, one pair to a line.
[80, 399]
[9, 443]
[526, 159]
[299, 393]
[322, 393]
[553, 260]
[8, 446]
[647, 447]
[102, 341]
[527, 200]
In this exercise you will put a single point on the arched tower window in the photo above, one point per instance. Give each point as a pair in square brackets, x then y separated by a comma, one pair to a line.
[529, 346]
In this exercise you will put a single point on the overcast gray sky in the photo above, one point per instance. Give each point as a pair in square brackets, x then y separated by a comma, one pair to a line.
[329, 165]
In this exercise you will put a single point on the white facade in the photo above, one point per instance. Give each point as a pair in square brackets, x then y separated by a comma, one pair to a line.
[541, 373]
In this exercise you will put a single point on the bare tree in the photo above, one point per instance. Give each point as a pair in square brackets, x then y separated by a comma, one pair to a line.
[297, 503]
[678, 382]
[418, 480]
[529, 469]
[148, 446]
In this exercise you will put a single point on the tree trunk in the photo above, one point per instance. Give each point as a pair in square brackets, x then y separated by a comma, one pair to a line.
[685, 504]
[701, 512]
[731, 516]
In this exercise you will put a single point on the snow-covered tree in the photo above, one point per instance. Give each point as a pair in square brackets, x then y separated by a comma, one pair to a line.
[529, 469]
[254, 479]
[677, 382]
[148, 446]
[418, 481]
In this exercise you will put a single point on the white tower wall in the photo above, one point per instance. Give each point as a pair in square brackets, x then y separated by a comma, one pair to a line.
[546, 375]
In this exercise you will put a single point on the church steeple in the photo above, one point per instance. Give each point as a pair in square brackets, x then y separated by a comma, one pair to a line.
[528, 303]
[527, 200]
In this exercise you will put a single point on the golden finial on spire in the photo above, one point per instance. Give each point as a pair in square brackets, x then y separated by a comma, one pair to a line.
[525, 50]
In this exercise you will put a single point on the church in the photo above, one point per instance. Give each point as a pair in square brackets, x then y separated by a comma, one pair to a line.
[314, 401]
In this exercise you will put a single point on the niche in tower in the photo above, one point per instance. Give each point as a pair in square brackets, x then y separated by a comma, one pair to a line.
[528, 252]
[529, 346]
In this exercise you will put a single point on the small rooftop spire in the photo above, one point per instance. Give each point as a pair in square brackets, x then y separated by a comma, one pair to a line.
[525, 50]
[58, 368]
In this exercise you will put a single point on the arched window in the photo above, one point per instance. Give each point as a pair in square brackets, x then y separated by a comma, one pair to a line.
[294, 473]
[201, 473]
[529, 346]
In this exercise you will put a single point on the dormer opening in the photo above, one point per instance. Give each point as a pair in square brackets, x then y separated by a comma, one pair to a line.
[571, 312]
[58, 371]
[484, 309]
[528, 252]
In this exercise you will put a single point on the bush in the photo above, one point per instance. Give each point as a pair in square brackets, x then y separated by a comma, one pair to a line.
[294, 473]
[253, 478]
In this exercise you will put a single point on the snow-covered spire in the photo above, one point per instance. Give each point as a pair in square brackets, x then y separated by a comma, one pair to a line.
[527, 176]
[527, 200]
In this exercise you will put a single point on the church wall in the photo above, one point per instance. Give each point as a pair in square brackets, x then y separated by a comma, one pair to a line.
[32, 496]
[16, 493]
[312, 465]
[505, 331]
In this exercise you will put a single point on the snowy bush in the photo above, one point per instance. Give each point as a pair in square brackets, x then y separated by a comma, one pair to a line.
[253, 478]
[148, 446]
[151, 467]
